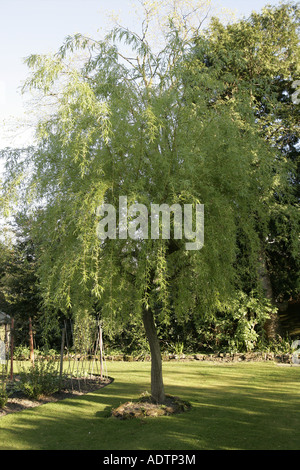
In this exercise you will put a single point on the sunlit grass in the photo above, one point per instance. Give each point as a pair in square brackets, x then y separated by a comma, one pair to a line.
[234, 406]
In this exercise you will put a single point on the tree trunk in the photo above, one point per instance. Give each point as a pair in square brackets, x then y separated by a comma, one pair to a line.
[157, 386]
[31, 346]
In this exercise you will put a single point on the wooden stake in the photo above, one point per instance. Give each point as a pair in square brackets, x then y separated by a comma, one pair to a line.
[62, 355]
[12, 348]
[101, 353]
[31, 346]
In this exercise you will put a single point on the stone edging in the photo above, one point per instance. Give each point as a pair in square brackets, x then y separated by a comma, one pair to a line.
[219, 357]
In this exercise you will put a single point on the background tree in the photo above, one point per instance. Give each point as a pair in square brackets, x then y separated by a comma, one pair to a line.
[20, 296]
[18, 285]
[261, 55]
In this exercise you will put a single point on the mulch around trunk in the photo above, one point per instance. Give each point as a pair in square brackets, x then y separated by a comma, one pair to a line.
[71, 388]
[145, 407]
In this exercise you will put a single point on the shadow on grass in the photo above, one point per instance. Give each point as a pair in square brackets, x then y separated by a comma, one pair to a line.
[225, 414]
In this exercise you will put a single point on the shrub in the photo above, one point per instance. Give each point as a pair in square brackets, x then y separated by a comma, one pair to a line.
[3, 395]
[41, 379]
[238, 327]
[21, 352]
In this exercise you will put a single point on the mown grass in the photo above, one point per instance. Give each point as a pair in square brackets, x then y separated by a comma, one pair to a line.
[234, 407]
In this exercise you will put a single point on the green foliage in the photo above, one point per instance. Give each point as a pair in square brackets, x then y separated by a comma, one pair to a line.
[239, 327]
[259, 56]
[19, 293]
[3, 394]
[84, 332]
[250, 314]
[22, 352]
[178, 348]
[279, 345]
[40, 379]
[98, 147]
[129, 339]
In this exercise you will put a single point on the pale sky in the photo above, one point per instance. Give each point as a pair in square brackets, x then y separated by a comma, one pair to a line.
[40, 26]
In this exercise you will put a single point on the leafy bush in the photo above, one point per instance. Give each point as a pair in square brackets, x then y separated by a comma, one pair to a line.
[279, 345]
[21, 352]
[239, 327]
[41, 379]
[251, 314]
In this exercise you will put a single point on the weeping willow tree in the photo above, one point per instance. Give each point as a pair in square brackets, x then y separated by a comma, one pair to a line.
[134, 126]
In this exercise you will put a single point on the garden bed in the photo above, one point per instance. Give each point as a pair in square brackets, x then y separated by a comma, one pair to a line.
[18, 401]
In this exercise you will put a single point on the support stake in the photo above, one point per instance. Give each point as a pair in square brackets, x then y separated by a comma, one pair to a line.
[62, 356]
[12, 348]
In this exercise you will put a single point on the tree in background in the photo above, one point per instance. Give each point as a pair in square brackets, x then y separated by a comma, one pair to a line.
[18, 286]
[260, 55]
[20, 296]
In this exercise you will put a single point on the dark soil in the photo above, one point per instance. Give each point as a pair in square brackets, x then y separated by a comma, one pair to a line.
[145, 407]
[18, 401]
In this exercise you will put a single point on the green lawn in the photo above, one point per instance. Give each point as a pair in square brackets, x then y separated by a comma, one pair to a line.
[239, 406]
